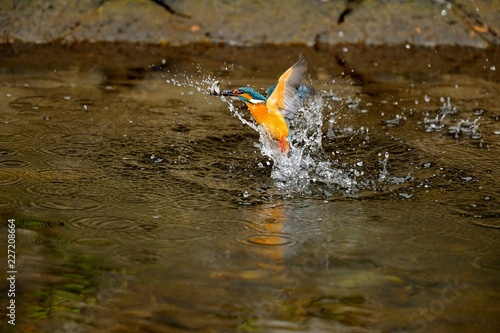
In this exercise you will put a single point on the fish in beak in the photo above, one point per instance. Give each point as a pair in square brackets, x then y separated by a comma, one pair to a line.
[215, 90]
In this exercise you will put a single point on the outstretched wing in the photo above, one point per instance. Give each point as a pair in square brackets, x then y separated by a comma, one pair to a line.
[284, 98]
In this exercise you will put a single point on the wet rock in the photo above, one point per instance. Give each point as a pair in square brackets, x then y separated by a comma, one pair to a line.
[251, 23]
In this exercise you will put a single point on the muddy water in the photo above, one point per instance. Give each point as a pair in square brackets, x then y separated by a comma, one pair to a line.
[146, 206]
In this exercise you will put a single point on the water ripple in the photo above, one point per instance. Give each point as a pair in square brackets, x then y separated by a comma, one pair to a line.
[53, 188]
[75, 145]
[12, 163]
[136, 197]
[6, 201]
[492, 222]
[8, 152]
[65, 203]
[482, 212]
[94, 244]
[38, 82]
[87, 139]
[490, 262]
[137, 256]
[60, 175]
[448, 243]
[33, 104]
[166, 235]
[104, 223]
[270, 239]
[9, 177]
[8, 138]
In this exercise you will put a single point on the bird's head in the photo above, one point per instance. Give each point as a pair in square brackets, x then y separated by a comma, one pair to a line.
[246, 94]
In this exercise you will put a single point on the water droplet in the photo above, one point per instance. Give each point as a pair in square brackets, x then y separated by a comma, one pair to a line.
[478, 112]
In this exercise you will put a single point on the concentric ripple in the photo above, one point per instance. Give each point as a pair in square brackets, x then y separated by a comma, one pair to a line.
[12, 163]
[278, 239]
[53, 189]
[9, 177]
[137, 197]
[94, 244]
[65, 203]
[167, 235]
[104, 223]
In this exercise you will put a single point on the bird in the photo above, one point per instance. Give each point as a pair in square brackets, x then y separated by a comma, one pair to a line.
[274, 111]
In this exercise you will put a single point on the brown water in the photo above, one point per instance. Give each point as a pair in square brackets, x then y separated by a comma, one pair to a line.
[143, 206]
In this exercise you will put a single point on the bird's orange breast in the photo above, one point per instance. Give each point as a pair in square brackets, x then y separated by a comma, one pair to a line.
[272, 121]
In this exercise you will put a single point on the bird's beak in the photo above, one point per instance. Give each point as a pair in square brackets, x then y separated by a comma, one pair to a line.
[230, 92]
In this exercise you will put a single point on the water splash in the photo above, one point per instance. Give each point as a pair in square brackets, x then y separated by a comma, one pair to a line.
[307, 168]
[384, 173]
[197, 81]
[463, 127]
[467, 128]
[447, 108]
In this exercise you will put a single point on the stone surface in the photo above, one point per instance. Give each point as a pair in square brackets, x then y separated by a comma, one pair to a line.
[251, 23]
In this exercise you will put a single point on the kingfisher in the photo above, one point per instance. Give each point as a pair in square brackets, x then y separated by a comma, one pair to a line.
[274, 111]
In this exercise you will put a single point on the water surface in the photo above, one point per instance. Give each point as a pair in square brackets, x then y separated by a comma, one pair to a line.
[142, 204]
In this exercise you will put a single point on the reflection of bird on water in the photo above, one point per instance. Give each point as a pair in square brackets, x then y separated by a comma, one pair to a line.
[280, 105]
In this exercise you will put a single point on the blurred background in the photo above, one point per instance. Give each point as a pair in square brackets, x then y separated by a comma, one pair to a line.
[245, 23]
